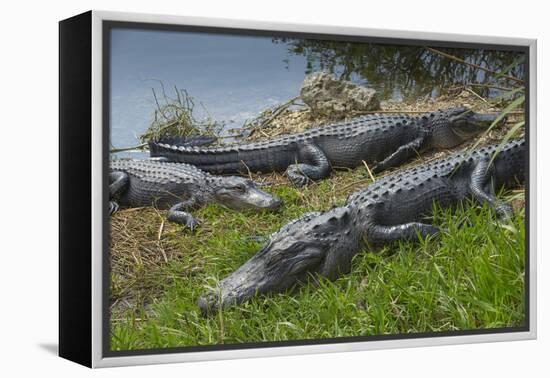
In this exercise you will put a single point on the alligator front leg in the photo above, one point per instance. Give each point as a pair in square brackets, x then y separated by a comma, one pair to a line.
[315, 165]
[178, 215]
[401, 155]
[378, 234]
[482, 189]
[118, 183]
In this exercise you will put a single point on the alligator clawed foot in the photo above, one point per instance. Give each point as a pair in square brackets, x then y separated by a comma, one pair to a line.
[185, 219]
[504, 212]
[298, 181]
[192, 223]
[301, 183]
[113, 207]
[296, 176]
[376, 168]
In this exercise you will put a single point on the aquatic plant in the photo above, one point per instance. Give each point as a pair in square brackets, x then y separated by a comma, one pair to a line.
[177, 116]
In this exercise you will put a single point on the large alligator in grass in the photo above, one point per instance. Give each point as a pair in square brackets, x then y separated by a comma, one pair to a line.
[382, 141]
[180, 187]
[391, 209]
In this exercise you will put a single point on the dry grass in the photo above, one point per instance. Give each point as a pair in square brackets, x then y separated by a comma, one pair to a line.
[137, 253]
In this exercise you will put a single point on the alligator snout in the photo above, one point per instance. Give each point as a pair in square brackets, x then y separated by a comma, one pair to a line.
[213, 302]
[257, 199]
[209, 304]
[270, 202]
[275, 204]
[233, 290]
[485, 119]
[472, 123]
[206, 304]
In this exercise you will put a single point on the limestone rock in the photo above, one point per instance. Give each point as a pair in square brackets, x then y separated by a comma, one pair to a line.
[328, 96]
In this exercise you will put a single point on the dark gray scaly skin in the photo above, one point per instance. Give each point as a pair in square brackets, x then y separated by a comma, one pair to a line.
[180, 187]
[391, 209]
[382, 141]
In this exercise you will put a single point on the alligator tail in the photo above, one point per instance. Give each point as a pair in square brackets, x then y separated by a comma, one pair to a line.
[185, 141]
[253, 157]
[213, 159]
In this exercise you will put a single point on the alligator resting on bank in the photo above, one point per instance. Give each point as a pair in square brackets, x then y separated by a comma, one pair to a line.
[388, 210]
[383, 140]
[180, 187]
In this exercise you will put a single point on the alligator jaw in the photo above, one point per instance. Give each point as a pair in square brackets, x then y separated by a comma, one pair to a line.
[482, 120]
[470, 124]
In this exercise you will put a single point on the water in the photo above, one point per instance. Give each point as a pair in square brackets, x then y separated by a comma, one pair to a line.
[236, 77]
[407, 72]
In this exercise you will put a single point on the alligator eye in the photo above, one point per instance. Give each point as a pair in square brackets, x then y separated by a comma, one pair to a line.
[239, 188]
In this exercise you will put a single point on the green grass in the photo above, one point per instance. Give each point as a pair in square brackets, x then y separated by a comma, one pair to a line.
[469, 278]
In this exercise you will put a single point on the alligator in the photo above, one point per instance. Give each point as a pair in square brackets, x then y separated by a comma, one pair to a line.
[180, 187]
[391, 209]
[383, 141]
